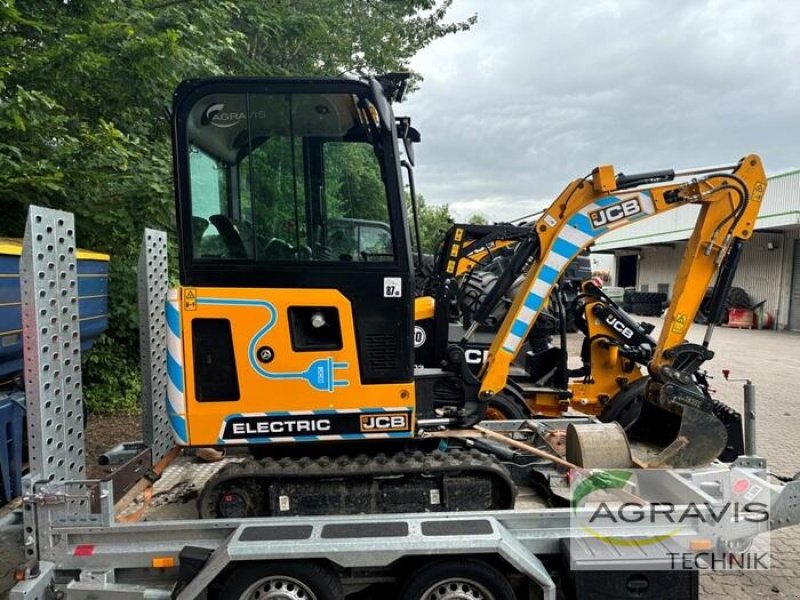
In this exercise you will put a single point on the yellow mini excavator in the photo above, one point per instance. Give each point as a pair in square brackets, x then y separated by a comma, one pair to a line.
[287, 339]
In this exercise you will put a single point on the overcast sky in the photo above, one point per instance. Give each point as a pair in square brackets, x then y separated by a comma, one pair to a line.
[539, 92]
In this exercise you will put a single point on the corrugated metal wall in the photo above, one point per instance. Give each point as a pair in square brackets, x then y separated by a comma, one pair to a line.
[658, 265]
[759, 271]
[786, 276]
[783, 196]
[765, 274]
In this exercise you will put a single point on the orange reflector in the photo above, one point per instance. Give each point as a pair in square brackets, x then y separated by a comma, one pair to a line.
[19, 574]
[162, 562]
[700, 545]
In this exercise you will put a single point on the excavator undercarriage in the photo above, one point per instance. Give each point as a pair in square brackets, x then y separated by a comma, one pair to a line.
[423, 480]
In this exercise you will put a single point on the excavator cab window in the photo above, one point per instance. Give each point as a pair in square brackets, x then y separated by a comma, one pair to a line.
[287, 177]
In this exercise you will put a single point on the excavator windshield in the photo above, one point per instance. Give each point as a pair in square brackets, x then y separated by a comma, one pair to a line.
[277, 177]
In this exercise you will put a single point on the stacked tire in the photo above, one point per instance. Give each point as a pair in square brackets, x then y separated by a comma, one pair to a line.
[627, 305]
[648, 304]
[737, 298]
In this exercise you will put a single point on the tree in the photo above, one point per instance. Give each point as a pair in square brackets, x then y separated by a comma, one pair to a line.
[83, 86]
[478, 218]
[434, 221]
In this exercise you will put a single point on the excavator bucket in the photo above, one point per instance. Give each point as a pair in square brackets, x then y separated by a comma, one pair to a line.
[678, 428]
[700, 440]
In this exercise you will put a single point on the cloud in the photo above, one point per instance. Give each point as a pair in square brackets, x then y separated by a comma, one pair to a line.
[540, 92]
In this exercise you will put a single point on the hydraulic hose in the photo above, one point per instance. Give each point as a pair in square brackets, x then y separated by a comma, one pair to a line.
[721, 288]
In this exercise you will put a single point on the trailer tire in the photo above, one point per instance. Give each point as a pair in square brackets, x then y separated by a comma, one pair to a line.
[303, 580]
[457, 578]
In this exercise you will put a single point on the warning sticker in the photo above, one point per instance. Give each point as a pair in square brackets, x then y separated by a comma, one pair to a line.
[679, 323]
[189, 299]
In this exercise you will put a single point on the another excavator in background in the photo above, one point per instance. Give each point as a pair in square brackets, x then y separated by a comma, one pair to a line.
[280, 342]
[467, 264]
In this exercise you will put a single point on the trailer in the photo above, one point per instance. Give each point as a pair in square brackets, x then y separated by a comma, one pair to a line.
[138, 535]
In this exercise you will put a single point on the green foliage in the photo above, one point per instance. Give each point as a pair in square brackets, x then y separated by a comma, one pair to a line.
[434, 221]
[478, 219]
[356, 190]
[83, 86]
[112, 380]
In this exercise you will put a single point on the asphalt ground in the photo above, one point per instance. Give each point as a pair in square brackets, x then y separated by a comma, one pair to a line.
[772, 361]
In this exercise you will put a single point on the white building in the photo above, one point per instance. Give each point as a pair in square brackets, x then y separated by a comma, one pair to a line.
[647, 254]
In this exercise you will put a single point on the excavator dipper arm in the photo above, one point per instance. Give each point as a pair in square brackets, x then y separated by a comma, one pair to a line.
[727, 217]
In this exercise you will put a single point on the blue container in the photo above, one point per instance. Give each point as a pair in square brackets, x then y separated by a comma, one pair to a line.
[92, 303]
[12, 415]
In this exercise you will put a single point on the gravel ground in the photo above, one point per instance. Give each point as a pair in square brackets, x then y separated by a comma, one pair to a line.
[103, 433]
[771, 360]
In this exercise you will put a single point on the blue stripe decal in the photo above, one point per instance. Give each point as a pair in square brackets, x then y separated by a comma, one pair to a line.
[548, 274]
[178, 424]
[399, 434]
[533, 301]
[519, 328]
[175, 373]
[564, 248]
[305, 438]
[368, 411]
[278, 413]
[509, 350]
[582, 223]
[173, 319]
[606, 201]
[353, 436]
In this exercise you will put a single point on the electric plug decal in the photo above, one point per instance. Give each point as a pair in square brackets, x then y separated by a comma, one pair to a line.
[320, 374]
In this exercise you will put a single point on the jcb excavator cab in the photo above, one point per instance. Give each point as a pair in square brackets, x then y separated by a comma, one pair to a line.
[263, 331]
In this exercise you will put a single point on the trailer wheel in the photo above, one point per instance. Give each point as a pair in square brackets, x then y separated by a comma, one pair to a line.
[288, 580]
[463, 579]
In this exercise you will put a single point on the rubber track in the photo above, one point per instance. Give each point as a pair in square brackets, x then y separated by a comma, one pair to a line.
[452, 461]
